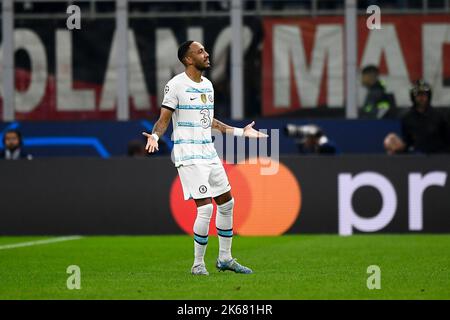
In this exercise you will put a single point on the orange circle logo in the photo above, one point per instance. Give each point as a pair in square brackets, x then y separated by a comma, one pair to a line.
[264, 204]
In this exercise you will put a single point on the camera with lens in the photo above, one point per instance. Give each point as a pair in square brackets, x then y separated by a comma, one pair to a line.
[302, 132]
[310, 139]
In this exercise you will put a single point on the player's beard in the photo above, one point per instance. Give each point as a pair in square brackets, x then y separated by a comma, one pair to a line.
[202, 66]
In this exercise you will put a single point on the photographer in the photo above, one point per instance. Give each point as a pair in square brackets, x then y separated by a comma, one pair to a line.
[424, 129]
[310, 139]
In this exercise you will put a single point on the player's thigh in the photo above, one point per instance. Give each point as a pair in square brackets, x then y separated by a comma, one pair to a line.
[195, 181]
[218, 180]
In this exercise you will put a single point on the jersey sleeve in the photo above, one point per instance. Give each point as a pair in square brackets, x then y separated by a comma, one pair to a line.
[170, 99]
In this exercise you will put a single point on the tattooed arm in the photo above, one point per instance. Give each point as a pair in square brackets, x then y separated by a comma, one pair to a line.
[248, 131]
[159, 129]
[222, 127]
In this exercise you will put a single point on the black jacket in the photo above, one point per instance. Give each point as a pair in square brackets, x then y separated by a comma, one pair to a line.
[426, 132]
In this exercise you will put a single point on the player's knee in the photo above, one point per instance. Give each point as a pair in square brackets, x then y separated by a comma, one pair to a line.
[205, 211]
[226, 208]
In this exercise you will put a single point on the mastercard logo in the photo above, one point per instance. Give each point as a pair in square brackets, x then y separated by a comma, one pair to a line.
[264, 204]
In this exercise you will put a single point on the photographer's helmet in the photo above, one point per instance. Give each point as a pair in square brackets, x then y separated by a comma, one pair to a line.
[420, 86]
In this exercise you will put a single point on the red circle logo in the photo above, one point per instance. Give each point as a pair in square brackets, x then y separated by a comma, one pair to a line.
[264, 204]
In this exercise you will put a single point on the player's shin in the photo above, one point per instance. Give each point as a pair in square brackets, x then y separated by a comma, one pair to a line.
[224, 225]
[201, 229]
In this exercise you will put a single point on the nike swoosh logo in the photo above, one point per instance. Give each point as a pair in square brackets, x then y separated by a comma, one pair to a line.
[193, 98]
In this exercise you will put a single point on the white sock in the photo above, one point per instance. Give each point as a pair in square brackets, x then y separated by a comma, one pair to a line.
[201, 229]
[224, 225]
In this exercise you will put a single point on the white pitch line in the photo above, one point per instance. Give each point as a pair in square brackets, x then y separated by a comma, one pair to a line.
[38, 242]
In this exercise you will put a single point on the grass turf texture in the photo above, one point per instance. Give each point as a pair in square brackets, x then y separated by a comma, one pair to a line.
[287, 267]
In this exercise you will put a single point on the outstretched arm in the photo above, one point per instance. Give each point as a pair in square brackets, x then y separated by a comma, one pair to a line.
[158, 130]
[222, 127]
[247, 131]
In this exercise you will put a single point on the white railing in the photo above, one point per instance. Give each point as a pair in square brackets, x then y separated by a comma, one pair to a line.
[201, 9]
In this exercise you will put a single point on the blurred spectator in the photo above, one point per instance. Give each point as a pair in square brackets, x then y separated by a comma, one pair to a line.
[13, 146]
[424, 129]
[378, 104]
[310, 139]
[136, 149]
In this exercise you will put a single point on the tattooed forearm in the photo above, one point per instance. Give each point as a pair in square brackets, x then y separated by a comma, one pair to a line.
[161, 125]
[222, 127]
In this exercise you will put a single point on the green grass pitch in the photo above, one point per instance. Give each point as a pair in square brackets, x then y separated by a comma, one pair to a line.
[286, 267]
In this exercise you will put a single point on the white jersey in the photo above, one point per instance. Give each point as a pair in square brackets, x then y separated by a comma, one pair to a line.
[193, 112]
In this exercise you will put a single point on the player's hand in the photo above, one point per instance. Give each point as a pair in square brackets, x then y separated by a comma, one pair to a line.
[252, 133]
[152, 144]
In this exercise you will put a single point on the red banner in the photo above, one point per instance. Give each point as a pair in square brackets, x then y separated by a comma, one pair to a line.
[63, 74]
[304, 59]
